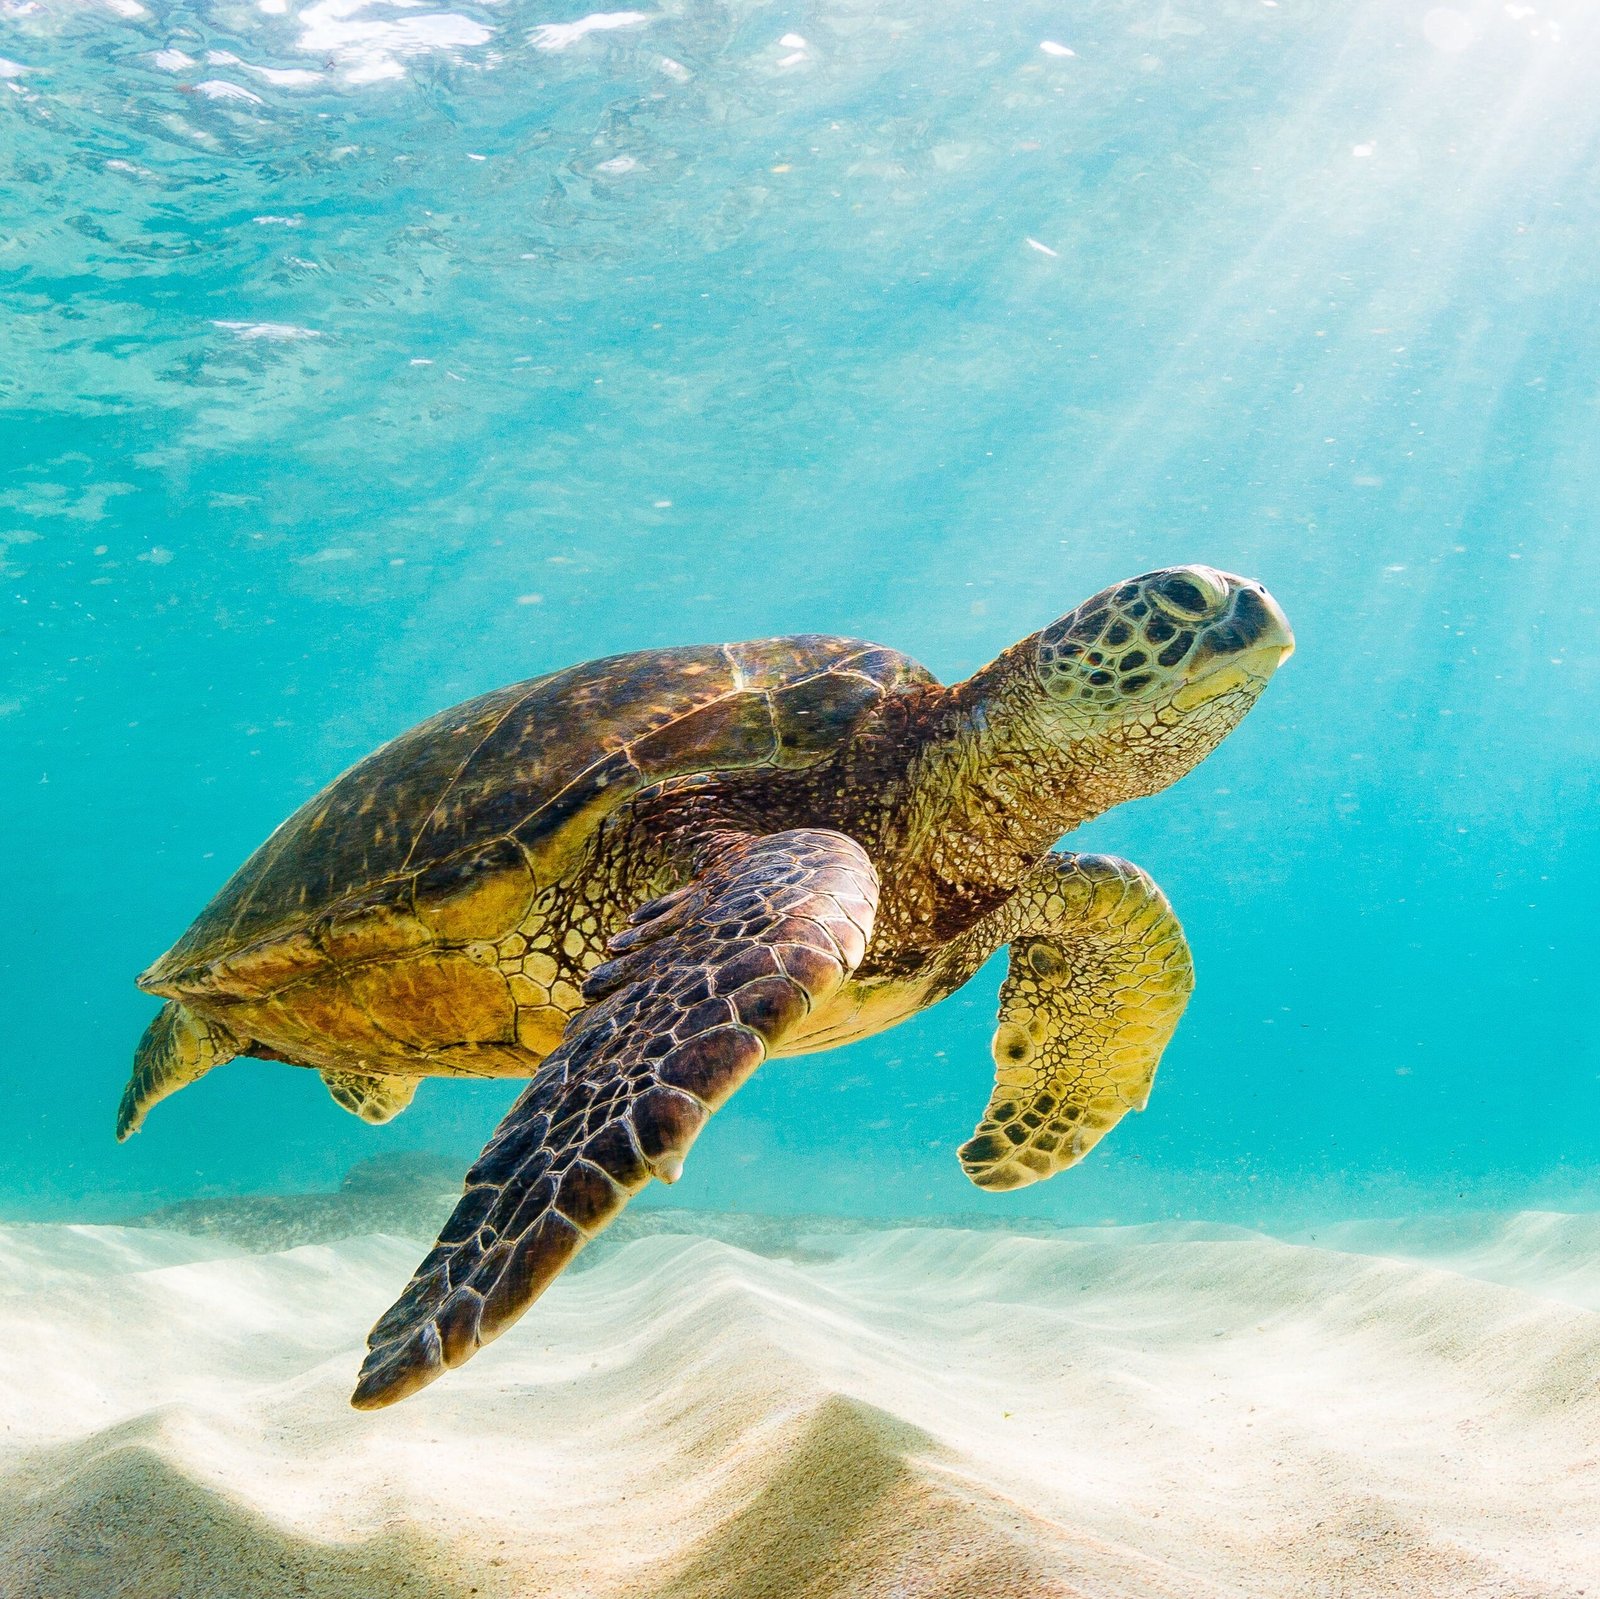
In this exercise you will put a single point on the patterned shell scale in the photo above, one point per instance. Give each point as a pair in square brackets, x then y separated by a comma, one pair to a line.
[448, 813]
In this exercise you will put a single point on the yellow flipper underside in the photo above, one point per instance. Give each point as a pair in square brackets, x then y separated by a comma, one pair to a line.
[1099, 976]
[377, 1098]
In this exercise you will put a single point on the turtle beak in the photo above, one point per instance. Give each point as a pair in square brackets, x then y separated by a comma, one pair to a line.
[1257, 620]
[1249, 641]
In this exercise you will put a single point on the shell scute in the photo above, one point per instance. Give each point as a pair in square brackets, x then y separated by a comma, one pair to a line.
[484, 894]
[737, 729]
[563, 744]
[317, 1017]
[434, 999]
[815, 714]
[370, 926]
[265, 967]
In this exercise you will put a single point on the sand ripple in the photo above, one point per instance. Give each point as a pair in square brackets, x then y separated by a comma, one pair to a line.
[1141, 1413]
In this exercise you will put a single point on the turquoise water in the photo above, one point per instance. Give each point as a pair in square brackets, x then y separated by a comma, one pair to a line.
[358, 358]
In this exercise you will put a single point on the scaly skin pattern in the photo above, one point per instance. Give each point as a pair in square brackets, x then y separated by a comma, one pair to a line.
[704, 982]
[1100, 974]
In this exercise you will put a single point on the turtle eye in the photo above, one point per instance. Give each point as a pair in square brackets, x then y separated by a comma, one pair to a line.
[1189, 592]
[1182, 595]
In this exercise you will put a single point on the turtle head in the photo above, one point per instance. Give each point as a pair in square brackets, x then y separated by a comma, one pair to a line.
[1149, 676]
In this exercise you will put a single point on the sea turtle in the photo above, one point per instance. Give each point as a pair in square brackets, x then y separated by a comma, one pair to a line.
[635, 879]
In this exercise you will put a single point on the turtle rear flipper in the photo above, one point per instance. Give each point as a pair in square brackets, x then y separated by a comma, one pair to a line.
[375, 1097]
[178, 1047]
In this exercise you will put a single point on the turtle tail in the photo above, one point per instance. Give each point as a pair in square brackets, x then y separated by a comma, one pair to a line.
[177, 1048]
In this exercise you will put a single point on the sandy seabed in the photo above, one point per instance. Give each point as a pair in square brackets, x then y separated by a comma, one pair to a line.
[1146, 1412]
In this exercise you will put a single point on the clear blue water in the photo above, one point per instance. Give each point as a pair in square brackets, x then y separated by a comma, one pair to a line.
[358, 358]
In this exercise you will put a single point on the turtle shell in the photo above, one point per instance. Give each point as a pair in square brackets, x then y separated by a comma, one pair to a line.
[447, 833]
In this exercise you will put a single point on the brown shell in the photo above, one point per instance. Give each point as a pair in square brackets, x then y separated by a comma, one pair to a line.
[444, 833]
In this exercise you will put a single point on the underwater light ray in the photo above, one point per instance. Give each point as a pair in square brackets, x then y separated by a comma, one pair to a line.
[1154, 433]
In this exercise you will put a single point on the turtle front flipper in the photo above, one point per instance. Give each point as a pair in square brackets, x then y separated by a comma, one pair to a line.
[704, 985]
[179, 1046]
[1100, 974]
